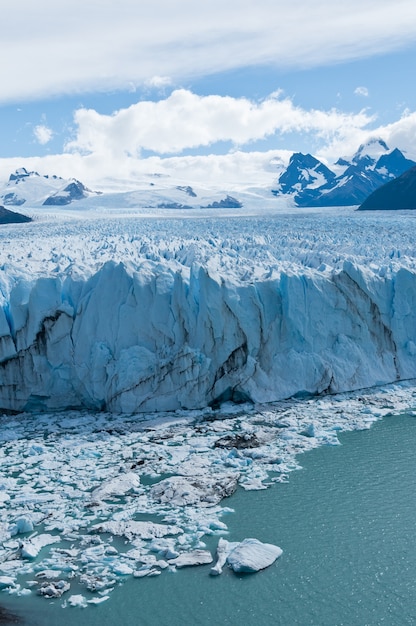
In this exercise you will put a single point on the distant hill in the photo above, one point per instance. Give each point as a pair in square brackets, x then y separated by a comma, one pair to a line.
[399, 193]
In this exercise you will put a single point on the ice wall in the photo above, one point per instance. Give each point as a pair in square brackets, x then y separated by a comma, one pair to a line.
[159, 338]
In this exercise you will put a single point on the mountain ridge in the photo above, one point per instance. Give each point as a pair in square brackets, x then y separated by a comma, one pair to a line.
[398, 194]
[369, 168]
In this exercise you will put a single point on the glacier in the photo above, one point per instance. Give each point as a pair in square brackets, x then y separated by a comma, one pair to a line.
[134, 315]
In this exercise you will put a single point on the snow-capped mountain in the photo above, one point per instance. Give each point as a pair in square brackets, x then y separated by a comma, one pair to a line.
[33, 189]
[311, 183]
[303, 172]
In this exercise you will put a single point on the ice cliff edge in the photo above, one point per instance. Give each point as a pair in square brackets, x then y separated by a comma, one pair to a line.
[126, 340]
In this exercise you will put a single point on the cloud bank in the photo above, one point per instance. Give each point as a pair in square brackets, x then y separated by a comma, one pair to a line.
[112, 151]
[83, 46]
[185, 120]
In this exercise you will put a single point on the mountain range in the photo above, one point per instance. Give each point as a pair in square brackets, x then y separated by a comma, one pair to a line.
[32, 189]
[310, 183]
[305, 181]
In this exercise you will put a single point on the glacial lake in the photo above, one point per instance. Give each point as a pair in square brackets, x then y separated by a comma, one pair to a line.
[346, 524]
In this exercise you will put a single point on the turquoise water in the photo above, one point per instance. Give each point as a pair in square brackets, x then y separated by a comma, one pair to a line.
[346, 524]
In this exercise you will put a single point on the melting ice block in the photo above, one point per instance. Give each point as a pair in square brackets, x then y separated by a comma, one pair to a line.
[195, 557]
[201, 490]
[132, 529]
[30, 549]
[116, 486]
[223, 550]
[251, 555]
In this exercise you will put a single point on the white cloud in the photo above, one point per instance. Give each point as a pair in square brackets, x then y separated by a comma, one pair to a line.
[228, 171]
[400, 134]
[159, 82]
[185, 120]
[362, 91]
[80, 45]
[43, 134]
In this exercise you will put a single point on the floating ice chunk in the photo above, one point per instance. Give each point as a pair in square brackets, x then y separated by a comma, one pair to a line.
[165, 548]
[223, 550]
[24, 592]
[203, 490]
[133, 529]
[77, 600]
[195, 557]
[98, 600]
[122, 569]
[309, 431]
[47, 574]
[253, 484]
[98, 582]
[142, 572]
[116, 486]
[6, 581]
[54, 589]
[35, 449]
[252, 555]
[31, 548]
[21, 525]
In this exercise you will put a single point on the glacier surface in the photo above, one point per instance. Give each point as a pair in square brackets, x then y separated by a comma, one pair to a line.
[134, 314]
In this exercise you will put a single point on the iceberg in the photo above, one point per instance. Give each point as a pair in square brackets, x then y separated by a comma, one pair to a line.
[251, 555]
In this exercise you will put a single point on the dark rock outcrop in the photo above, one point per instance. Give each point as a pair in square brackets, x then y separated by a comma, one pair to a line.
[226, 203]
[11, 217]
[399, 193]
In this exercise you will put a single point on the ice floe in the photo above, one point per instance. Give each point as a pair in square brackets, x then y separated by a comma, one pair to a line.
[251, 555]
[194, 557]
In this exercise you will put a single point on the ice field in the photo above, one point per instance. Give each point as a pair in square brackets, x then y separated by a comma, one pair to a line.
[176, 311]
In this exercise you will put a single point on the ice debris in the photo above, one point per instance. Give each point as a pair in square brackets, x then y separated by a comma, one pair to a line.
[160, 485]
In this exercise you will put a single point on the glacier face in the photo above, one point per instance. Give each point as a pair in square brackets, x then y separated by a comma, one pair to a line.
[149, 316]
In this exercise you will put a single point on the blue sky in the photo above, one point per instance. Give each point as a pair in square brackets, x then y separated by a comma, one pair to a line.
[90, 82]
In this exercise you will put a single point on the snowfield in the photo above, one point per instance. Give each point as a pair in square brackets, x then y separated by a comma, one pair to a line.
[186, 309]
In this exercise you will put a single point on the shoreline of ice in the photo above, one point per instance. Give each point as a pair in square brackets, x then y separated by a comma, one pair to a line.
[89, 500]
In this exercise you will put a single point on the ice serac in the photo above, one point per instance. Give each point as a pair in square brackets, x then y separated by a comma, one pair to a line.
[161, 338]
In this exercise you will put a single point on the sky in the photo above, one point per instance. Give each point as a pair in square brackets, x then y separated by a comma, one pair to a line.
[103, 90]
